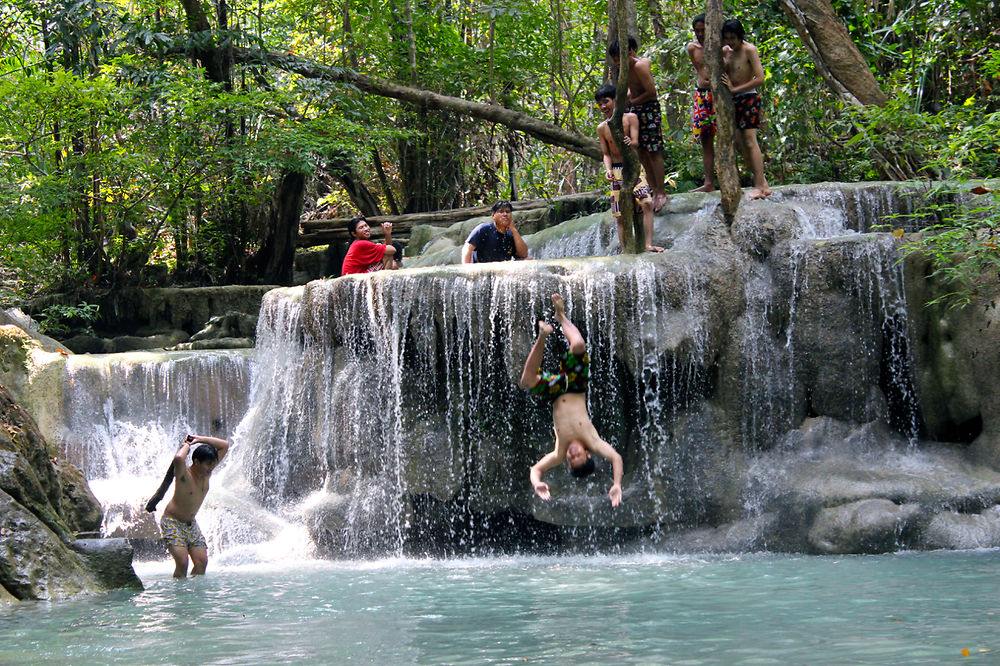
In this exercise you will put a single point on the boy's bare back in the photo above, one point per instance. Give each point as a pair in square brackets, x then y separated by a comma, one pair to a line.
[630, 127]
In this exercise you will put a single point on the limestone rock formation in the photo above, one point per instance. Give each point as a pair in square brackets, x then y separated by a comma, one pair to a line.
[759, 382]
[42, 503]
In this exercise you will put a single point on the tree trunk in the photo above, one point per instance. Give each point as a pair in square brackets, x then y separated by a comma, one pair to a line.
[273, 262]
[339, 166]
[383, 179]
[539, 129]
[633, 236]
[833, 51]
[212, 58]
[725, 114]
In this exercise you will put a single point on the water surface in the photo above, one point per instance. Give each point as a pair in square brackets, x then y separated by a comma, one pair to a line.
[748, 609]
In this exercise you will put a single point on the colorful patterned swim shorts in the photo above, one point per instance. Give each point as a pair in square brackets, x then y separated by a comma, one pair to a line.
[573, 375]
[747, 110]
[185, 535]
[641, 191]
[703, 114]
[650, 122]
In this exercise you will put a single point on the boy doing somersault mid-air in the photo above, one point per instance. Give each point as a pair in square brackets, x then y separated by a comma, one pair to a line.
[743, 75]
[613, 165]
[576, 437]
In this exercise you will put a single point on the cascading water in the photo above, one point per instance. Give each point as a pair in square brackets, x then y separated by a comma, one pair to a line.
[400, 400]
[384, 415]
[124, 415]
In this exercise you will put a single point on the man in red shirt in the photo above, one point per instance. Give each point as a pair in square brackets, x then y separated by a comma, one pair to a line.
[365, 256]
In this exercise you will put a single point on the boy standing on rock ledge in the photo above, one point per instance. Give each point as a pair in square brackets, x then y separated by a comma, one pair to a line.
[614, 164]
[643, 102]
[744, 75]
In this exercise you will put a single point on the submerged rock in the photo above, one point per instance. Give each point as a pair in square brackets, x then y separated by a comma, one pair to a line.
[955, 530]
[866, 526]
[110, 560]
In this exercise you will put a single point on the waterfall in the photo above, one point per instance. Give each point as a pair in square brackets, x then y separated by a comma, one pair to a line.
[124, 415]
[397, 394]
[381, 414]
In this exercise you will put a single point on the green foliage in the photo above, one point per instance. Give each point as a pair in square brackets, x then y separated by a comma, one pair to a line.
[962, 242]
[61, 320]
[118, 152]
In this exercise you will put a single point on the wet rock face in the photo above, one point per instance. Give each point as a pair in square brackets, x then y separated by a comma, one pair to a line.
[957, 354]
[42, 503]
[704, 359]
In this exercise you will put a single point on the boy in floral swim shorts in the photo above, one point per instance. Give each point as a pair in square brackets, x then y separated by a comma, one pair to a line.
[576, 437]
[644, 103]
[744, 75]
[703, 114]
[181, 534]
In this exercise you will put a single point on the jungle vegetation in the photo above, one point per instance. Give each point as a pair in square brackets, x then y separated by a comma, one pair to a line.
[152, 141]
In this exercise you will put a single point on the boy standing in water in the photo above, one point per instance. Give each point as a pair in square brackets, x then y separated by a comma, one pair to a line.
[644, 104]
[744, 74]
[576, 437]
[613, 165]
[181, 533]
[703, 115]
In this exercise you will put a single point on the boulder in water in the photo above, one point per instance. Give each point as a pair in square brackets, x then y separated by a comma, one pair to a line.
[866, 526]
[955, 530]
[110, 560]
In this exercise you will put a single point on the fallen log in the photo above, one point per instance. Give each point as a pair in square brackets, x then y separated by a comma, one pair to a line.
[438, 217]
[334, 230]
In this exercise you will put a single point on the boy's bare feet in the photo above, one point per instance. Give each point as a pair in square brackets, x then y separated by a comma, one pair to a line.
[704, 188]
[654, 248]
[544, 328]
[757, 193]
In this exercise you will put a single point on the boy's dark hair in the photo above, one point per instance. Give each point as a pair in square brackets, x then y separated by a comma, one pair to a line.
[604, 92]
[700, 18]
[399, 251]
[353, 223]
[613, 50]
[733, 26]
[583, 469]
[205, 453]
[502, 204]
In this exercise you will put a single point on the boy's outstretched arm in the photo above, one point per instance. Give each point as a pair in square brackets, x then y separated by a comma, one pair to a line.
[605, 450]
[548, 461]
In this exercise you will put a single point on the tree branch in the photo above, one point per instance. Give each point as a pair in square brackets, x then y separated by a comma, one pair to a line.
[539, 129]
